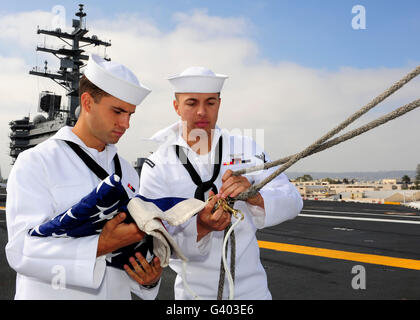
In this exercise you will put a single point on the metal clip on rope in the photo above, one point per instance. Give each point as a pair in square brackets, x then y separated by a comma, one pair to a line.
[226, 207]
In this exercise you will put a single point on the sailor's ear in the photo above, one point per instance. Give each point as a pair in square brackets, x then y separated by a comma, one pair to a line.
[86, 101]
[176, 106]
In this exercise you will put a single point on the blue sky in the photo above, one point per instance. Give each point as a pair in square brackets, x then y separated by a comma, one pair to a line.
[299, 63]
[312, 33]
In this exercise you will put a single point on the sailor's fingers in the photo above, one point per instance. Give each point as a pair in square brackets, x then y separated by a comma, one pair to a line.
[146, 274]
[236, 189]
[129, 232]
[227, 175]
[115, 235]
[213, 200]
[225, 223]
[233, 186]
[156, 264]
[210, 205]
[124, 230]
[157, 269]
[146, 266]
[137, 274]
[220, 219]
[137, 268]
[114, 222]
[217, 215]
[228, 182]
[132, 274]
[233, 180]
[153, 269]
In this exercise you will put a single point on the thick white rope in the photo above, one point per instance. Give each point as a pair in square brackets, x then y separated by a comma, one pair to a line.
[225, 265]
[186, 285]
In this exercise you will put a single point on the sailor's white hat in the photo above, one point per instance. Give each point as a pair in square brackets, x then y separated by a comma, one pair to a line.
[115, 79]
[197, 80]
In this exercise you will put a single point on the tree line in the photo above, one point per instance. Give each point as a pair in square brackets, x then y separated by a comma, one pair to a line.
[406, 180]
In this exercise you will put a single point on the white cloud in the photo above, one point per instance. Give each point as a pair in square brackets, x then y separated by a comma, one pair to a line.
[210, 26]
[294, 105]
[21, 27]
[17, 87]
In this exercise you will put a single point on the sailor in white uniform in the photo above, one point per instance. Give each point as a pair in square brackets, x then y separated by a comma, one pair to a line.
[50, 178]
[196, 159]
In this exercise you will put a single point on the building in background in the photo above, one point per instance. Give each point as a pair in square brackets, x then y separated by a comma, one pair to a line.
[386, 191]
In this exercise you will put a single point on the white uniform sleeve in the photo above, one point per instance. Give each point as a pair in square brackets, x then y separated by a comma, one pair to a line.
[282, 200]
[29, 203]
[143, 292]
[153, 185]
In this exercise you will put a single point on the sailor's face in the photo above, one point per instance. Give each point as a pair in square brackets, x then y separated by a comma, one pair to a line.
[198, 110]
[110, 118]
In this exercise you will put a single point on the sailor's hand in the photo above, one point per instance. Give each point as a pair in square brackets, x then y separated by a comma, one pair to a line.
[145, 273]
[116, 234]
[234, 185]
[208, 221]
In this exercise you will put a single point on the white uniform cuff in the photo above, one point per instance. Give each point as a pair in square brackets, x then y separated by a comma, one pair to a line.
[94, 265]
[192, 247]
[258, 214]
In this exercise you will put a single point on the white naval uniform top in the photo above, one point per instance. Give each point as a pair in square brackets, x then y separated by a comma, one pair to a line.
[165, 176]
[45, 181]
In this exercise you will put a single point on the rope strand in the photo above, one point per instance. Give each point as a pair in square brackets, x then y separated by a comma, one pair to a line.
[253, 190]
[349, 135]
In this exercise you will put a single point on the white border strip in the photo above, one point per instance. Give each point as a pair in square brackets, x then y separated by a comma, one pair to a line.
[363, 213]
[361, 219]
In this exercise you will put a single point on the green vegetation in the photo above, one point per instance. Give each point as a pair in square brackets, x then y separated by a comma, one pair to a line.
[417, 179]
[305, 178]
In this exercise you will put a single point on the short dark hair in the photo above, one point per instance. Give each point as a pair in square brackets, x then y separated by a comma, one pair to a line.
[176, 95]
[85, 85]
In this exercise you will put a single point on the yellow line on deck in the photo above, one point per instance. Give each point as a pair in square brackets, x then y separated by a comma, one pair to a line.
[343, 255]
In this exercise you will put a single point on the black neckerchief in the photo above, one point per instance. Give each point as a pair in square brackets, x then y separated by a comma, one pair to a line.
[202, 187]
[92, 164]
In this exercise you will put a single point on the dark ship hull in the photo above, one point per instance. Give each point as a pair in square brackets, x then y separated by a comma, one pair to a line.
[27, 133]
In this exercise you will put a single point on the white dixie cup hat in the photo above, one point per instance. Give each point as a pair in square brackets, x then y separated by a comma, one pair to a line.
[115, 79]
[197, 80]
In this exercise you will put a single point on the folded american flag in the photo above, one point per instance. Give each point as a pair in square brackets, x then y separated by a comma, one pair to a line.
[89, 215]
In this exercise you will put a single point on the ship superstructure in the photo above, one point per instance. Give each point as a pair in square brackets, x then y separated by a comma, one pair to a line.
[54, 115]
